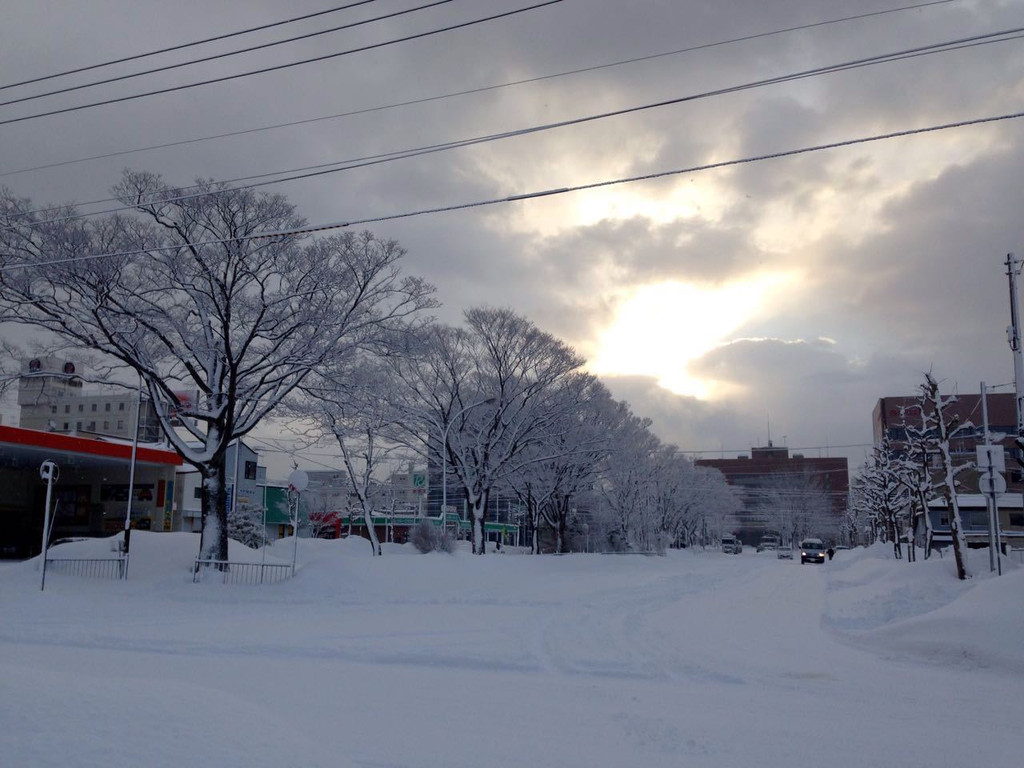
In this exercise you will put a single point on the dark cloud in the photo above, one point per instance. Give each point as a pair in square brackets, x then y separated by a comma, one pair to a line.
[895, 249]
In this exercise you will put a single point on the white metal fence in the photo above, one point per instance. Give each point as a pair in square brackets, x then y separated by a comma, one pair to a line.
[240, 573]
[90, 567]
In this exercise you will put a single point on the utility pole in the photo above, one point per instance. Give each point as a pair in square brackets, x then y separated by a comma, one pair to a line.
[991, 484]
[1013, 335]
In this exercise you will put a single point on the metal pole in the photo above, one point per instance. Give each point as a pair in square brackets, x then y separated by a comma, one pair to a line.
[444, 475]
[444, 457]
[263, 558]
[990, 496]
[131, 480]
[49, 475]
[234, 485]
[295, 533]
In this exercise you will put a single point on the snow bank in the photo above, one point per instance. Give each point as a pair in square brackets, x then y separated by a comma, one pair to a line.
[921, 610]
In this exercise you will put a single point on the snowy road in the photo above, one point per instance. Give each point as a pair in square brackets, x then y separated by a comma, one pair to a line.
[694, 659]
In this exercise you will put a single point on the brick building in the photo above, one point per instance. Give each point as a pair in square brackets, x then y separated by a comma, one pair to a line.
[791, 496]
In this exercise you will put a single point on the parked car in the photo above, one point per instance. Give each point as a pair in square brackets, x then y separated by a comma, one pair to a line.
[731, 545]
[768, 542]
[784, 552]
[812, 551]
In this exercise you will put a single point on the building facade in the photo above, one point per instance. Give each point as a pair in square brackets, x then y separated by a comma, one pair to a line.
[91, 496]
[790, 496]
[52, 399]
[892, 415]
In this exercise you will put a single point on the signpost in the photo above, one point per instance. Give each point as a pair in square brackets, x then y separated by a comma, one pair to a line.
[298, 481]
[48, 471]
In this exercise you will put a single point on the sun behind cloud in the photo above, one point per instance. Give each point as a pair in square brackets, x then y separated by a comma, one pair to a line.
[658, 329]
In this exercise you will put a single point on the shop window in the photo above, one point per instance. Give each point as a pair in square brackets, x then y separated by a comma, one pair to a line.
[1017, 519]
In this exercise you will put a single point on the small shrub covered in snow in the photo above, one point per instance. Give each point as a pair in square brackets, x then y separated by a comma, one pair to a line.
[245, 524]
[426, 537]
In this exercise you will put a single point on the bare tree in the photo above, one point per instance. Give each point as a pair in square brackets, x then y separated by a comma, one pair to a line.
[356, 407]
[478, 398]
[625, 480]
[945, 427]
[560, 470]
[885, 485]
[197, 292]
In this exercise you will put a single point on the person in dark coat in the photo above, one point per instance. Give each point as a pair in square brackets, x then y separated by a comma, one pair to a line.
[831, 552]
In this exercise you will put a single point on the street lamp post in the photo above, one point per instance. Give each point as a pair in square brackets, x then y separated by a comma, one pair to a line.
[444, 457]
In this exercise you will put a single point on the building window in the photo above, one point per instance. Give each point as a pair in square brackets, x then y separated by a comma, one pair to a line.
[92, 426]
[78, 425]
[120, 406]
[106, 407]
[66, 425]
[198, 493]
[106, 425]
[53, 409]
[67, 409]
[81, 407]
[250, 470]
[1017, 519]
[120, 424]
[94, 407]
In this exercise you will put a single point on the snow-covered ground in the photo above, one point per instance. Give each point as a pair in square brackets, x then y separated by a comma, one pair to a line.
[693, 659]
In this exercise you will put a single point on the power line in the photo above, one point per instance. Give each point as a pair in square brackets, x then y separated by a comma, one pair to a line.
[186, 45]
[346, 165]
[471, 91]
[214, 57]
[278, 67]
[530, 195]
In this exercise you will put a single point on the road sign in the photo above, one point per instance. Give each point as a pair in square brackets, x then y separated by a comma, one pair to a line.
[298, 480]
[991, 456]
[992, 483]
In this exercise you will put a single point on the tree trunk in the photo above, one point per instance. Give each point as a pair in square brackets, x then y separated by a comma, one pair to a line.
[213, 541]
[479, 508]
[370, 530]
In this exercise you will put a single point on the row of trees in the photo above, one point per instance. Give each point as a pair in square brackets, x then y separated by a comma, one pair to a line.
[892, 493]
[220, 291]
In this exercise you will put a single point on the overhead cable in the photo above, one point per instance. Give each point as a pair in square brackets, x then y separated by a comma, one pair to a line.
[214, 57]
[323, 169]
[278, 67]
[467, 92]
[526, 196]
[182, 46]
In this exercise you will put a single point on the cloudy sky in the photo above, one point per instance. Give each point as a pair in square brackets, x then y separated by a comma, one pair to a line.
[784, 294]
